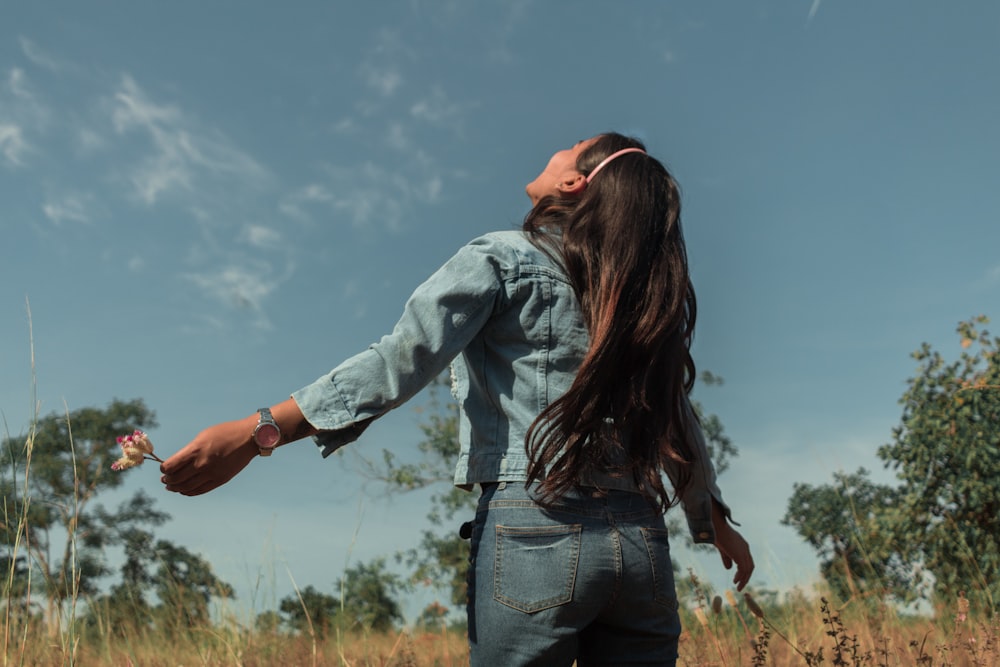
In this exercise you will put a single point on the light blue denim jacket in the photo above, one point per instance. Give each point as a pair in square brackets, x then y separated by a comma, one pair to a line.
[505, 316]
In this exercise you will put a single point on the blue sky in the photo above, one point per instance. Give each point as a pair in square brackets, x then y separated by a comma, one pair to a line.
[209, 205]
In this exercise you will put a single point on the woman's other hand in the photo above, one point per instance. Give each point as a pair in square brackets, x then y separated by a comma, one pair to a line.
[732, 547]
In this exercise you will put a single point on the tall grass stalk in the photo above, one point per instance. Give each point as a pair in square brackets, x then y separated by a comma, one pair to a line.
[70, 643]
[305, 610]
[16, 618]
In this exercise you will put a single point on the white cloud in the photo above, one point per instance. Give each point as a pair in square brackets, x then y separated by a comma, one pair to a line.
[385, 80]
[260, 236]
[369, 195]
[17, 83]
[72, 208]
[436, 108]
[993, 275]
[37, 56]
[238, 286]
[136, 263]
[89, 141]
[183, 155]
[431, 189]
[397, 139]
[20, 104]
[294, 205]
[345, 126]
[12, 143]
[813, 10]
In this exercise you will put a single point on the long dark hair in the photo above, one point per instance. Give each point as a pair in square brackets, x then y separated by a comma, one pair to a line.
[620, 244]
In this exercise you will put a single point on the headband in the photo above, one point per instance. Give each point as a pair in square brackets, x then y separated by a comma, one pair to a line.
[609, 158]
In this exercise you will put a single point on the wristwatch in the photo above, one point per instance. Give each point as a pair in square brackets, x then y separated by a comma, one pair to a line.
[267, 435]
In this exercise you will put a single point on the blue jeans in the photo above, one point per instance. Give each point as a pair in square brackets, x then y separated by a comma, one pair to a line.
[588, 579]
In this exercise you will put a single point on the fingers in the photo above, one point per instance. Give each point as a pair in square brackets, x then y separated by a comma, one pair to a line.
[742, 579]
[734, 549]
[195, 488]
[744, 569]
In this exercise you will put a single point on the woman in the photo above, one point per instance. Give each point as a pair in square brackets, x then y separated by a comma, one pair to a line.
[569, 344]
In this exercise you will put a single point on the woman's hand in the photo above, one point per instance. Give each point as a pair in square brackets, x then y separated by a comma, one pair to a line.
[732, 547]
[213, 458]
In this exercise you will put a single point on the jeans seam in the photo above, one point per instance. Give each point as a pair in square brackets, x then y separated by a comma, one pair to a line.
[656, 566]
[619, 566]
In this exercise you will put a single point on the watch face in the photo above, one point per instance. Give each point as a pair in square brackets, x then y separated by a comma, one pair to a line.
[267, 435]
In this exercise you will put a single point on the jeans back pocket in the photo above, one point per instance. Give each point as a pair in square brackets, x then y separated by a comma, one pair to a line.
[535, 567]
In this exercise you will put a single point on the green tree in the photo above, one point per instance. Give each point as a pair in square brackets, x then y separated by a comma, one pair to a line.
[185, 585]
[368, 597]
[943, 519]
[308, 610]
[843, 523]
[49, 480]
[367, 601]
[162, 585]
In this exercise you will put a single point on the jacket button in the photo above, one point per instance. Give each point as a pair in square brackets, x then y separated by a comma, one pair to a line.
[704, 535]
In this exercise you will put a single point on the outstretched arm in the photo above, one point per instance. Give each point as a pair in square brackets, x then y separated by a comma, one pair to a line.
[219, 452]
[732, 547]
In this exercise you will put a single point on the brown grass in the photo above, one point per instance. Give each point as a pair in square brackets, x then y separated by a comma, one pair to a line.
[803, 631]
[799, 631]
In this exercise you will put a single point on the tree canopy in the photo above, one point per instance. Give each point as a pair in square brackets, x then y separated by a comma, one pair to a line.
[937, 532]
[54, 532]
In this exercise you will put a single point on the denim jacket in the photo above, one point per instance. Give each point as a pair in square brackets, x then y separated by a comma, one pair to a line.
[505, 316]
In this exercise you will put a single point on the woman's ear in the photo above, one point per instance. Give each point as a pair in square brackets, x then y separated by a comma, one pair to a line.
[573, 185]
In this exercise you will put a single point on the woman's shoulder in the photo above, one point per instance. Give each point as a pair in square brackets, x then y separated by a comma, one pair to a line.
[515, 244]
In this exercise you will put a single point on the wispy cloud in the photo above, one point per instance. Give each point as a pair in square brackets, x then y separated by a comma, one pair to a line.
[72, 208]
[20, 112]
[39, 57]
[365, 196]
[813, 10]
[436, 108]
[182, 154]
[12, 143]
[297, 203]
[17, 83]
[238, 286]
[384, 80]
[514, 12]
[992, 276]
[89, 141]
[260, 236]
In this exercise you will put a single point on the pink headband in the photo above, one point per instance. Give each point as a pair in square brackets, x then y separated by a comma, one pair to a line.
[611, 157]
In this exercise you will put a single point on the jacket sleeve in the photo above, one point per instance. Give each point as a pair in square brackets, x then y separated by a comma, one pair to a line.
[702, 486]
[439, 319]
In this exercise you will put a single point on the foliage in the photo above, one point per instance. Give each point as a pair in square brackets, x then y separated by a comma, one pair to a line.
[309, 611]
[841, 522]
[941, 525]
[49, 480]
[367, 594]
[55, 532]
[367, 602]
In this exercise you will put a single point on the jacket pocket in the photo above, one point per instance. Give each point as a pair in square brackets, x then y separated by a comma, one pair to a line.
[535, 567]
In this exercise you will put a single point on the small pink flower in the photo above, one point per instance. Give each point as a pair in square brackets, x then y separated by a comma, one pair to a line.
[135, 448]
